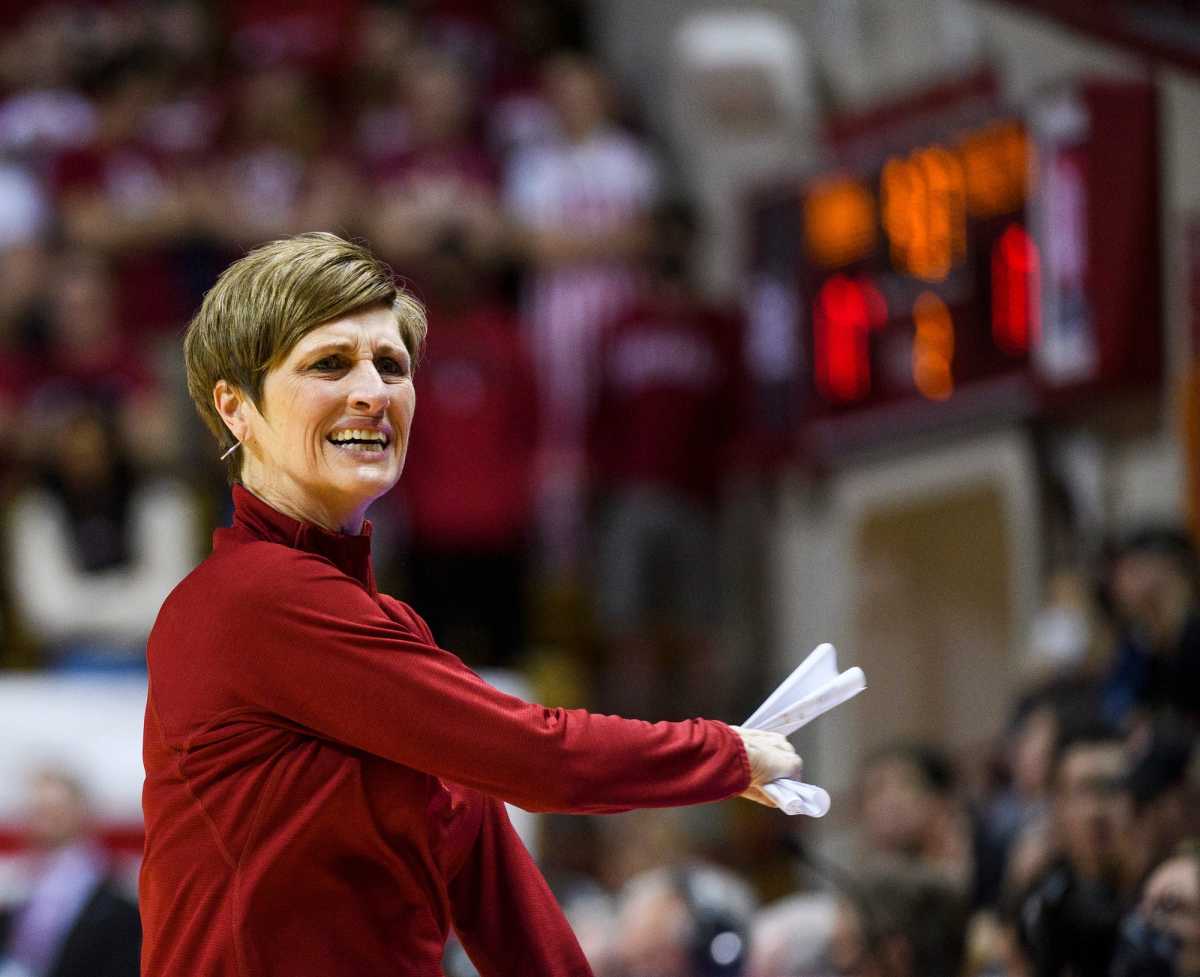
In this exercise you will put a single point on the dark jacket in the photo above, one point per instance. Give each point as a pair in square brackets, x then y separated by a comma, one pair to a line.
[104, 941]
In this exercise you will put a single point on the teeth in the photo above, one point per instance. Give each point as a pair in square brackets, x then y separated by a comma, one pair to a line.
[356, 435]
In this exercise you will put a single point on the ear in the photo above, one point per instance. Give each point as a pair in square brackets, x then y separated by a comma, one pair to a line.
[231, 405]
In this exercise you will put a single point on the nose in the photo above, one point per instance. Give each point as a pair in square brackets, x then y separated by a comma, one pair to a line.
[367, 394]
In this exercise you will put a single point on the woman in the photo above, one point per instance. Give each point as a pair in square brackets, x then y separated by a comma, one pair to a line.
[324, 785]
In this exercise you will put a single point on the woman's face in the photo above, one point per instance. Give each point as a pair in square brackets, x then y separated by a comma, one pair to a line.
[333, 430]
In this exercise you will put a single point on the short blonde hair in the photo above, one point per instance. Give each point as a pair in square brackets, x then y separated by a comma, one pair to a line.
[268, 300]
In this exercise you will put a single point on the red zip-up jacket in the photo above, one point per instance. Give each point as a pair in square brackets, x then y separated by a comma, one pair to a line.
[324, 784]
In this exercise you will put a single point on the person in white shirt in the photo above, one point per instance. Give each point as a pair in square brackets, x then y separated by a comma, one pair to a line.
[95, 547]
[581, 205]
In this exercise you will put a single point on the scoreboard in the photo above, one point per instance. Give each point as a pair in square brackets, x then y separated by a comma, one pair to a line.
[999, 264]
[910, 246]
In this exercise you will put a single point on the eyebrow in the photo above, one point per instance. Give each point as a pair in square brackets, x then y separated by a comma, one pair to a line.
[347, 346]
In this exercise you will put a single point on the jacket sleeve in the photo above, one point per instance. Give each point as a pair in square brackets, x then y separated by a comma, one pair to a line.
[309, 644]
[504, 913]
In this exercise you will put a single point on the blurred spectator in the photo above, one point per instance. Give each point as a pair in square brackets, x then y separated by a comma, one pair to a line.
[386, 35]
[444, 185]
[660, 439]
[44, 112]
[638, 841]
[24, 219]
[568, 853]
[467, 30]
[24, 271]
[75, 921]
[911, 810]
[94, 545]
[1162, 938]
[686, 921]
[901, 920]
[184, 121]
[1064, 632]
[88, 353]
[581, 206]
[277, 172]
[468, 479]
[186, 31]
[1153, 582]
[307, 34]
[24, 210]
[993, 946]
[591, 915]
[519, 114]
[118, 195]
[88, 356]
[1162, 794]
[791, 937]
[1069, 916]
[1022, 803]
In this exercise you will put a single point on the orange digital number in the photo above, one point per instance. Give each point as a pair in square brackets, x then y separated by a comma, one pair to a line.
[996, 163]
[924, 212]
[933, 347]
[839, 222]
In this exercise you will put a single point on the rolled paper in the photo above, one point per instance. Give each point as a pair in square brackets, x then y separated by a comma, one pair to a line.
[816, 670]
[812, 689]
[844, 687]
[795, 797]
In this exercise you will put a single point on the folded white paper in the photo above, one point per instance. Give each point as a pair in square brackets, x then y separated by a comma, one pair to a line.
[794, 797]
[818, 668]
[810, 691]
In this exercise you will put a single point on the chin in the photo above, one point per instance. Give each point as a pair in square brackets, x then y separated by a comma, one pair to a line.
[368, 486]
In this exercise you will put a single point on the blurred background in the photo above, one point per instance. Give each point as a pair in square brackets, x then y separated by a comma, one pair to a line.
[752, 325]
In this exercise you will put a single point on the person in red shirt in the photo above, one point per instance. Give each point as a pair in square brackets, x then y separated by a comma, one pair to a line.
[119, 195]
[277, 167]
[468, 494]
[324, 785]
[90, 357]
[443, 184]
[306, 34]
[662, 440]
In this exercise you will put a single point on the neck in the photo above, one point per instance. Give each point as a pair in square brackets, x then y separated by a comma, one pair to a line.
[317, 515]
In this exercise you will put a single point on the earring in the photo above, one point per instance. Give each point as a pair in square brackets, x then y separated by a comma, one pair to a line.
[232, 448]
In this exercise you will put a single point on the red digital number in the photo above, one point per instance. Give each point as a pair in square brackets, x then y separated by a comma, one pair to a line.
[1016, 298]
[845, 312]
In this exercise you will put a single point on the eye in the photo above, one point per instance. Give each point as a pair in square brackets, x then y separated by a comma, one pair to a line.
[328, 363]
[389, 366]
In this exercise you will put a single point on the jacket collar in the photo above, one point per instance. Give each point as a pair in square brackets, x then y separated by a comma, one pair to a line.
[350, 554]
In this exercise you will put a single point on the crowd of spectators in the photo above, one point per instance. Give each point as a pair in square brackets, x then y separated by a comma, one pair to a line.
[580, 407]
[1069, 848]
[481, 150]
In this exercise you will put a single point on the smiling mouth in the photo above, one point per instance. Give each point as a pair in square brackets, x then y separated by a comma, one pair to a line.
[369, 442]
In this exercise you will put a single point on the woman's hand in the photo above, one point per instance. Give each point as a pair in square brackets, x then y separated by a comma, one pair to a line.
[771, 758]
